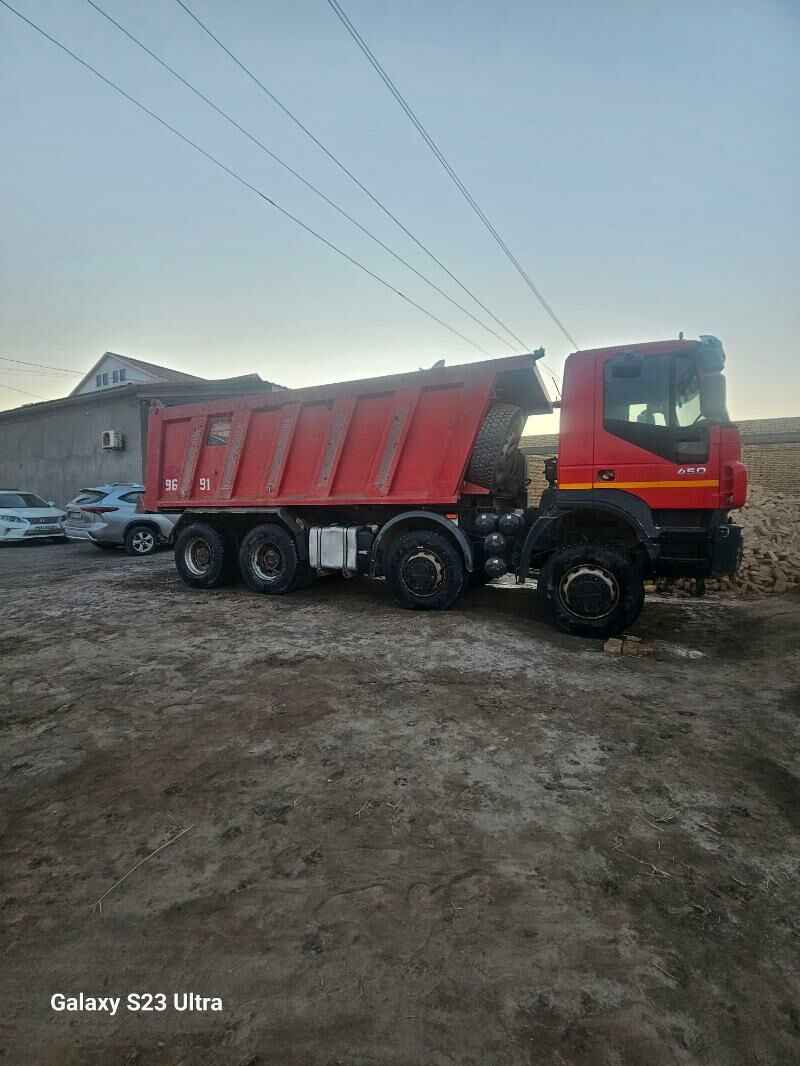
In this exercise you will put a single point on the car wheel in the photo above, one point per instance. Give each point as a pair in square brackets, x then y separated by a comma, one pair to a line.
[592, 590]
[269, 560]
[205, 556]
[141, 540]
[425, 571]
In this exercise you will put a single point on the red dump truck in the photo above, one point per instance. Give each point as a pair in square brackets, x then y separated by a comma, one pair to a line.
[417, 478]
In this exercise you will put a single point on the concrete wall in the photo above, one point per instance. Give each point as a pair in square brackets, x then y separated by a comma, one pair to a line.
[58, 452]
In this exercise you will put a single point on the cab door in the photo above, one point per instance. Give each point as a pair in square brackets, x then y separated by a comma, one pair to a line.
[650, 438]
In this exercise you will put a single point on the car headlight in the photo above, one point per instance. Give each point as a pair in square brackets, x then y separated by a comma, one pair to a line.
[12, 518]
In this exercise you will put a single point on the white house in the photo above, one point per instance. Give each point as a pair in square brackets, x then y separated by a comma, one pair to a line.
[112, 370]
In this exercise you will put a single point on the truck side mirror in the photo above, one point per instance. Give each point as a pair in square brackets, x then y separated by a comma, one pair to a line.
[709, 355]
[712, 398]
[626, 365]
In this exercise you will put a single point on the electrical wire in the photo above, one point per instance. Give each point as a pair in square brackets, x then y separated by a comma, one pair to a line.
[42, 366]
[293, 172]
[350, 174]
[348, 25]
[30, 373]
[35, 395]
[238, 177]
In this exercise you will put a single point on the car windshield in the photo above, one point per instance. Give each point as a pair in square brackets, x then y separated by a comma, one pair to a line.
[21, 501]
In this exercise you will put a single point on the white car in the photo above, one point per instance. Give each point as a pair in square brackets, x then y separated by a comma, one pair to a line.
[24, 515]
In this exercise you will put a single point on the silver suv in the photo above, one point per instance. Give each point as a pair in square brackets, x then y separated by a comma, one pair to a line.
[110, 517]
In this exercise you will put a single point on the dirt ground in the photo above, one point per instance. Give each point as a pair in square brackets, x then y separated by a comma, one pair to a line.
[460, 838]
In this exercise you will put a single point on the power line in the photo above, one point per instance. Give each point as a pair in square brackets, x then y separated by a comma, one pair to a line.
[30, 373]
[350, 174]
[293, 172]
[42, 366]
[348, 25]
[35, 395]
[238, 177]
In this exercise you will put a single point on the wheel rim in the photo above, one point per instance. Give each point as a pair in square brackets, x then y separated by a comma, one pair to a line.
[197, 556]
[142, 541]
[266, 560]
[589, 591]
[422, 572]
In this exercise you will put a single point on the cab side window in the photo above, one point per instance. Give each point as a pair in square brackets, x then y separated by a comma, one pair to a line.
[654, 402]
[636, 403]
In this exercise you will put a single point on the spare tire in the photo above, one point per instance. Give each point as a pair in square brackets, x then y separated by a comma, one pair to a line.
[503, 420]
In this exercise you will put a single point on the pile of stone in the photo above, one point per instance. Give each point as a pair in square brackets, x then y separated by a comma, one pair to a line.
[771, 561]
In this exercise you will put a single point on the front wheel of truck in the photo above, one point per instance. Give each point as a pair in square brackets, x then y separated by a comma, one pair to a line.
[592, 590]
[205, 556]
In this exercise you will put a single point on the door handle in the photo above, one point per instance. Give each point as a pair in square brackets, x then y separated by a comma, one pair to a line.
[606, 475]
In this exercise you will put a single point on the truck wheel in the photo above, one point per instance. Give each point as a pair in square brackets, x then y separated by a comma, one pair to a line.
[140, 540]
[269, 561]
[503, 420]
[425, 571]
[205, 557]
[592, 590]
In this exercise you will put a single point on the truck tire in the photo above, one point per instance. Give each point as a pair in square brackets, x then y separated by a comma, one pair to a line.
[425, 571]
[141, 540]
[269, 560]
[592, 590]
[502, 421]
[205, 556]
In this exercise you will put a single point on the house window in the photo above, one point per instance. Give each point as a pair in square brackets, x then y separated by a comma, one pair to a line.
[115, 376]
[122, 375]
[98, 381]
[105, 379]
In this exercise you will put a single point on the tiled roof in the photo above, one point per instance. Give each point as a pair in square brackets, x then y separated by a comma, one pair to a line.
[164, 373]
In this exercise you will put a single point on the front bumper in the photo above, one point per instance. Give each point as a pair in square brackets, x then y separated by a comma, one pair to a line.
[26, 532]
[727, 548]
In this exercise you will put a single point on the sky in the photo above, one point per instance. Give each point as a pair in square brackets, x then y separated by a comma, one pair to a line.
[639, 159]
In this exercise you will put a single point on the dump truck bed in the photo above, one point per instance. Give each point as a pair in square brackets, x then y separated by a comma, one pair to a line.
[402, 439]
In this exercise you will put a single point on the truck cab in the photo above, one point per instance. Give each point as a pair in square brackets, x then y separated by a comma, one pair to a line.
[649, 465]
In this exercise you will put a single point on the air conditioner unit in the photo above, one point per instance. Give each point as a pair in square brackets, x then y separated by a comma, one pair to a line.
[112, 438]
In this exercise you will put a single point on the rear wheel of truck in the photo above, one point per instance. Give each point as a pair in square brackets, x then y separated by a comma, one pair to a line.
[270, 562]
[205, 556]
[425, 571]
[592, 590]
